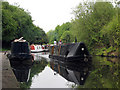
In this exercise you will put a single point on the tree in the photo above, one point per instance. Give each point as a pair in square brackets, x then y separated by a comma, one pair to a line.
[90, 19]
[51, 36]
[16, 23]
[67, 37]
[58, 32]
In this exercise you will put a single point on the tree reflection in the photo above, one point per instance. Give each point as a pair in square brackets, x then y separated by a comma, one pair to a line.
[105, 74]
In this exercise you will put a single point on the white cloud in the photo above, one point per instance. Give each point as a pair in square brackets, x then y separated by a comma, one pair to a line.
[47, 14]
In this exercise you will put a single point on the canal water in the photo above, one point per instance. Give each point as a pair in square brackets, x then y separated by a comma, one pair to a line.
[102, 72]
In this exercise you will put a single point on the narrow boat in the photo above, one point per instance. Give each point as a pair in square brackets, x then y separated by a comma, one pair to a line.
[70, 52]
[38, 48]
[20, 56]
[21, 59]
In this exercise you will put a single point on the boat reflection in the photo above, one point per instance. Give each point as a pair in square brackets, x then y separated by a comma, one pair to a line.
[76, 72]
[21, 70]
[38, 56]
[22, 75]
[37, 68]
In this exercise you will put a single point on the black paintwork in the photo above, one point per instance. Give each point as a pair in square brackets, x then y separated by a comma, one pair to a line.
[70, 52]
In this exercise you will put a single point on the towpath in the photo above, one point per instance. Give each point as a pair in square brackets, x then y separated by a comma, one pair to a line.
[8, 78]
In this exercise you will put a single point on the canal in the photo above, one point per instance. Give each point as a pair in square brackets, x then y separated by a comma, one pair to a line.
[102, 72]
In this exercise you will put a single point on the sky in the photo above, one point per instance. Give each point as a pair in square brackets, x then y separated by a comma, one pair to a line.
[47, 14]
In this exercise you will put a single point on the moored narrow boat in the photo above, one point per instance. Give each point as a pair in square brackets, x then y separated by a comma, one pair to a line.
[38, 48]
[70, 52]
[21, 59]
[20, 54]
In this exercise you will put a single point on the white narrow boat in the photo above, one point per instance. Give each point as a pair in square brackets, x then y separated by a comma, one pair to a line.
[37, 48]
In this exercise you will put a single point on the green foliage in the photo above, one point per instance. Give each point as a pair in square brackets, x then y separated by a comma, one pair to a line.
[96, 24]
[16, 23]
[9, 25]
[58, 32]
[112, 31]
[67, 37]
[51, 36]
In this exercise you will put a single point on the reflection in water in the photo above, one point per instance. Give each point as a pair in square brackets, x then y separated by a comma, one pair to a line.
[37, 67]
[21, 69]
[76, 72]
[47, 79]
[38, 56]
[103, 73]
[22, 75]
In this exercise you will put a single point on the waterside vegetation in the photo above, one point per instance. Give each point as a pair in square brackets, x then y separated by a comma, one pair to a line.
[96, 24]
[16, 23]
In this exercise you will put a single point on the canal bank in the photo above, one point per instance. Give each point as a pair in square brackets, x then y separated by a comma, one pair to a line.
[8, 78]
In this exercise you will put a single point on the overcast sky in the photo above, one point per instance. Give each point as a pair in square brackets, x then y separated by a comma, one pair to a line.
[47, 14]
